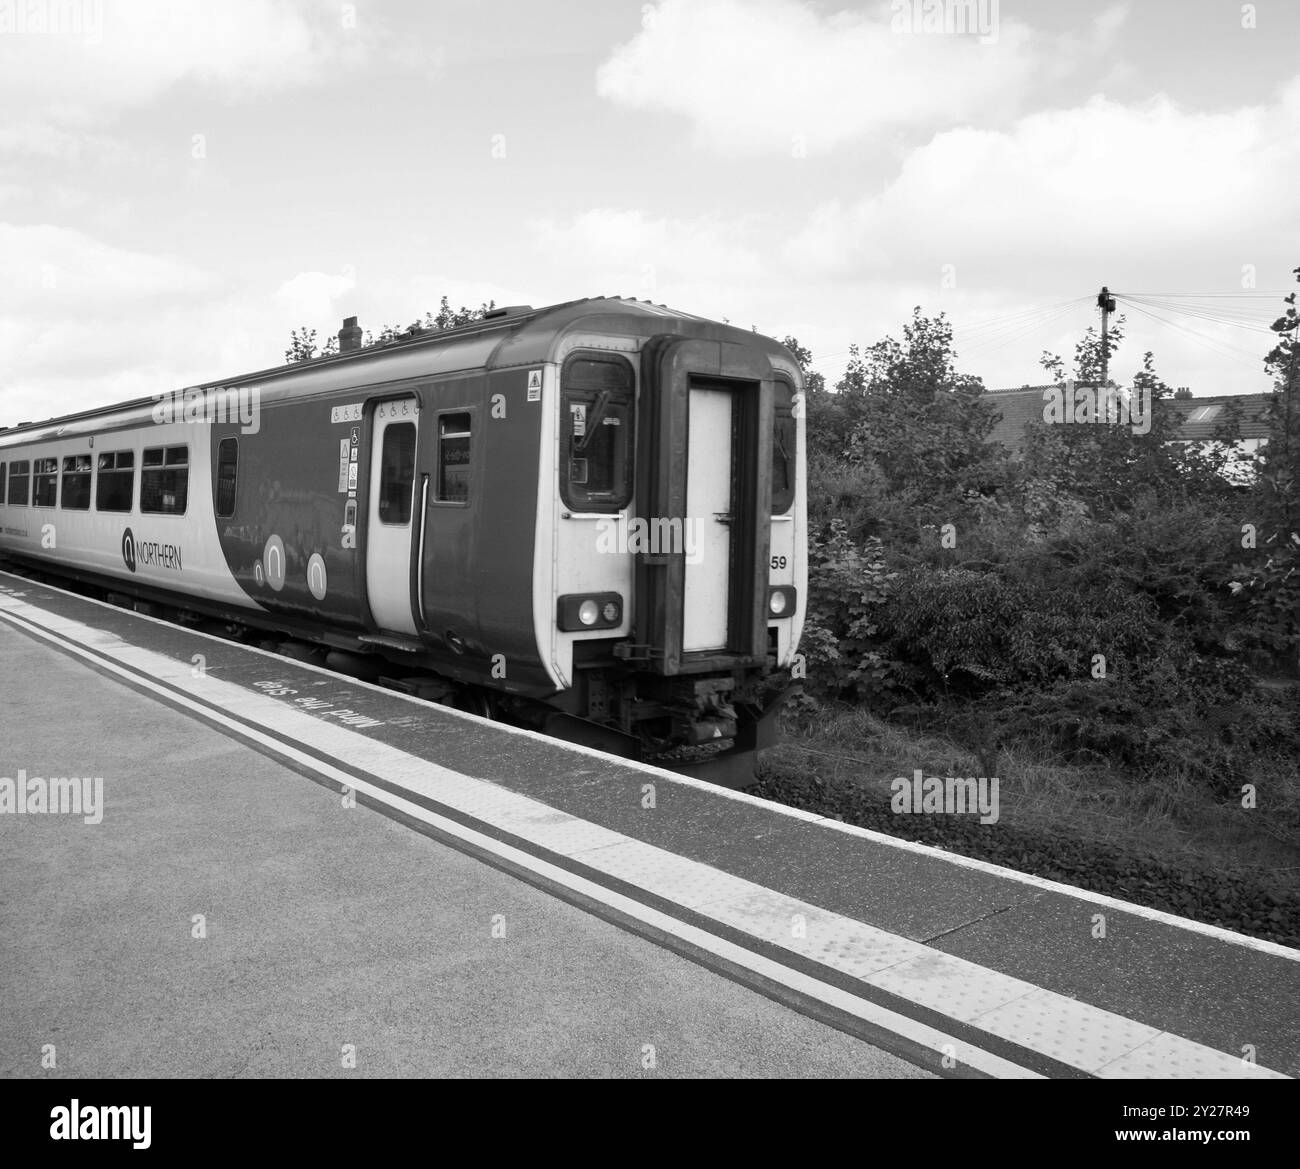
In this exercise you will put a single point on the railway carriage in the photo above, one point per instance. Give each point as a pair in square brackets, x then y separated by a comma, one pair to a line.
[587, 518]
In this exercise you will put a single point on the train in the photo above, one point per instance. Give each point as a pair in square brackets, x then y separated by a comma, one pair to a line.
[588, 519]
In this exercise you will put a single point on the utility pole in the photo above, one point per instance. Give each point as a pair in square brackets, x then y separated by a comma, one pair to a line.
[1106, 303]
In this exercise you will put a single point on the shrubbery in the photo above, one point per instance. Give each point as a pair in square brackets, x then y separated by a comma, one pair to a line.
[1100, 598]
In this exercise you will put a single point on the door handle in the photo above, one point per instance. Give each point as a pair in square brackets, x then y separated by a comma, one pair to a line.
[419, 552]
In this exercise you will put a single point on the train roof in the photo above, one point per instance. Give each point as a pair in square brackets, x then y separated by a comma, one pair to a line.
[518, 335]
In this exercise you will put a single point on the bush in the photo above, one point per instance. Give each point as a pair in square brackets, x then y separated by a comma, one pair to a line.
[847, 585]
[1188, 719]
[967, 632]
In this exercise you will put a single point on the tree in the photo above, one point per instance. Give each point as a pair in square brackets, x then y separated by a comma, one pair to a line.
[813, 381]
[1279, 459]
[902, 439]
[302, 342]
[1270, 586]
[916, 418]
[302, 346]
[1106, 467]
[1088, 353]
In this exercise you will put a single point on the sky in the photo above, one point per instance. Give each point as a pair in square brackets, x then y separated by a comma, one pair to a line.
[182, 182]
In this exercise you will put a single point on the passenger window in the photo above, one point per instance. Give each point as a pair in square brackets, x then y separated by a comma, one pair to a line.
[45, 482]
[784, 450]
[227, 468]
[397, 473]
[453, 458]
[19, 482]
[3, 481]
[115, 484]
[76, 482]
[596, 434]
[165, 480]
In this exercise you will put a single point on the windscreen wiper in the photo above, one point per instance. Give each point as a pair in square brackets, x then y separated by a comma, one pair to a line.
[593, 420]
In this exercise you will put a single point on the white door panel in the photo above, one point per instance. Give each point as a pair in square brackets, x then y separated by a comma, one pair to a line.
[708, 520]
[391, 522]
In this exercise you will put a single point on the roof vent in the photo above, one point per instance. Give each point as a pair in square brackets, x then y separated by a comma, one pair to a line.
[349, 335]
[507, 310]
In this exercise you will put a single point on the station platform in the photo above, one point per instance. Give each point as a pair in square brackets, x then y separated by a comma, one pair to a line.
[323, 921]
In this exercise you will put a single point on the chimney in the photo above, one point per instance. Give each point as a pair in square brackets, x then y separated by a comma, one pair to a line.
[349, 335]
[1182, 392]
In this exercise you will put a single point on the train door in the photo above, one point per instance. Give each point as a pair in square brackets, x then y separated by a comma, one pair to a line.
[709, 514]
[453, 452]
[391, 529]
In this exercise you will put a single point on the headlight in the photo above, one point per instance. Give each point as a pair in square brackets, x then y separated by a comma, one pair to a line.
[581, 611]
[782, 600]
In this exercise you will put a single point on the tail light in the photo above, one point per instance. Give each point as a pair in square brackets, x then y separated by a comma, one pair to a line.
[581, 611]
[782, 600]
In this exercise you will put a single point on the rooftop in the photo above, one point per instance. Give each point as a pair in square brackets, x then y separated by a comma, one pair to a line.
[1017, 406]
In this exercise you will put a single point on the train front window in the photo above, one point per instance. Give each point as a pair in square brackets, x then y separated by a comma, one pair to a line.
[397, 473]
[596, 434]
[76, 482]
[45, 482]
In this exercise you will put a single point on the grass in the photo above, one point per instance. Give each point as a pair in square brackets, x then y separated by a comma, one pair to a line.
[1171, 820]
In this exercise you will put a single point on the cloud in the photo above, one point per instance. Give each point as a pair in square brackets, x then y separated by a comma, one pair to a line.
[775, 75]
[58, 364]
[1106, 26]
[708, 261]
[1141, 196]
[38, 138]
[55, 270]
[118, 55]
[83, 322]
[1072, 190]
[309, 297]
[424, 292]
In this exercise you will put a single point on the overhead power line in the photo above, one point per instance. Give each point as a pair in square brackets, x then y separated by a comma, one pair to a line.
[990, 335]
[1237, 318]
[1223, 348]
[995, 342]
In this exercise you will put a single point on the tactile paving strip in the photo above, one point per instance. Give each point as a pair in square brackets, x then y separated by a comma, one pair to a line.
[1167, 1056]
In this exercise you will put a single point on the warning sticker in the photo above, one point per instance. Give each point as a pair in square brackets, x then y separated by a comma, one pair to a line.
[344, 446]
[579, 412]
[534, 385]
[352, 476]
